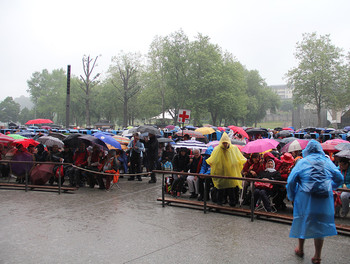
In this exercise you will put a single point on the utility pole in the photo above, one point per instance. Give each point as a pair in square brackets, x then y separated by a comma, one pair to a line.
[68, 97]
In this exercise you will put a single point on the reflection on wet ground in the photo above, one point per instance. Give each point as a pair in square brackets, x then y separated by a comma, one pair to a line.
[128, 225]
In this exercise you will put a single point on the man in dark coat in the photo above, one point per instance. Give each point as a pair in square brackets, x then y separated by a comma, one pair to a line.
[152, 155]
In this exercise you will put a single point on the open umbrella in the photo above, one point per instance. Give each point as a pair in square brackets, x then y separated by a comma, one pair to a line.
[191, 144]
[122, 140]
[222, 129]
[170, 127]
[260, 145]
[329, 145]
[5, 139]
[164, 140]
[72, 140]
[26, 142]
[239, 130]
[343, 146]
[205, 130]
[295, 145]
[191, 133]
[60, 136]
[16, 136]
[108, 140]
[39, 121]
[49, 141]
[343, 154]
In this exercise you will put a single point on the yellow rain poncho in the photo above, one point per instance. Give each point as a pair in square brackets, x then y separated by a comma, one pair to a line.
[226, 162]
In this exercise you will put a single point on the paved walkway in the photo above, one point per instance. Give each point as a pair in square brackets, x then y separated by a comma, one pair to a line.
[128, 225]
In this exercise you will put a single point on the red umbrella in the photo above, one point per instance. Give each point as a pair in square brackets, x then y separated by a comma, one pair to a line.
[329, 145]
[25, 142]
[39, 121]
[288, 128]
[222, 128]
[239, 130]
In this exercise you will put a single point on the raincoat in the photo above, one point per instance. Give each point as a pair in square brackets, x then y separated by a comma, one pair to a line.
[310, 185]
[226, 162]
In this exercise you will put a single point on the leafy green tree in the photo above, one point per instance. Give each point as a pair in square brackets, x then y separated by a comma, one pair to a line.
[318, 80]
[25, 115]
[261, 98]
[9, 110]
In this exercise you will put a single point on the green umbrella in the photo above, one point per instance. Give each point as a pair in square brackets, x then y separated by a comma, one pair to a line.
[16, 136]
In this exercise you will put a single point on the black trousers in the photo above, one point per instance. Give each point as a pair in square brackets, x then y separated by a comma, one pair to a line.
[208, 182]
[135, 164]
[263, 195]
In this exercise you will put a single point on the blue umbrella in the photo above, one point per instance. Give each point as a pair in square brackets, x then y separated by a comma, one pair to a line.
[108, 140]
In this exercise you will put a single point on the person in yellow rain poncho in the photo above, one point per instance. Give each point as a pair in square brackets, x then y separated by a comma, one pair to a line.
[226, 160]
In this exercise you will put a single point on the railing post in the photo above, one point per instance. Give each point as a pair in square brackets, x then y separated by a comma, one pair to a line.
[252, 205]
[163, 191]
[205, 195]
[26, 179]
[59, 180]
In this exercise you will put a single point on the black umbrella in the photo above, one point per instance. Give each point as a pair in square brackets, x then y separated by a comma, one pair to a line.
[284, 133]
[343, 146]
[72, 140]
[60, 136]
[89, 140]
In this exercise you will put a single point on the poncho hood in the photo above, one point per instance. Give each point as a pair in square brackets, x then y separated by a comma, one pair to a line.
[224, 138]
[313, 147]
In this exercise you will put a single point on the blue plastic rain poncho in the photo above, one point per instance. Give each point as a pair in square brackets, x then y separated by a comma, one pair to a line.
[226, 162]
[310, 185]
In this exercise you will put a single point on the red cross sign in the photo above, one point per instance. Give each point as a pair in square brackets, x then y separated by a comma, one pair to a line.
[184, 116]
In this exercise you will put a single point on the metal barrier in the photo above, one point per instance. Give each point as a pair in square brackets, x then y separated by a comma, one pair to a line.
[250, 180]
[27, 186]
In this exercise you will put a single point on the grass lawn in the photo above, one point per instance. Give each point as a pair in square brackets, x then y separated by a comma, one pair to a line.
[271, 124]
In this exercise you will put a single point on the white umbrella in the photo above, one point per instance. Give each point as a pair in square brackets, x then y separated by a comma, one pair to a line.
[50, 141]
[191, 144]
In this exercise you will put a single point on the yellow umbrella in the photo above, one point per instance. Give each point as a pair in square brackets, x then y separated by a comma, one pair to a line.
[205, 130]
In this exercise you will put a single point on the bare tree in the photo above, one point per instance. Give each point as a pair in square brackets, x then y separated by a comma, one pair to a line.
[125, 78]
[88, 83]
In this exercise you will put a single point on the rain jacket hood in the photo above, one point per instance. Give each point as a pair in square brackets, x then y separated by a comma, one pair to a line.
[209, 151]
[226, 162]
[313, 147]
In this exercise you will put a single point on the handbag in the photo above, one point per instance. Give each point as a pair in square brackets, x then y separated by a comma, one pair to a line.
[263, 185]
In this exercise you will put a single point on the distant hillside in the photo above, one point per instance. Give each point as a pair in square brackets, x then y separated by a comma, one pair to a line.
[24, 102]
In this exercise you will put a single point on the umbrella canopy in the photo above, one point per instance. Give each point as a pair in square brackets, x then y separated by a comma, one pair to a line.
[39, 121]
[20, 169]
[295, 145]
[256, 131]
[50, 141]
[238, 143]
[191, 133]
[26, 142]
[343, 154]
[191, 144]
[239, 130]
[222, 129]
[91, 140]
[145, 129]
[122, 140]
[108, 140]
[16, 136]
[170, 127]
[347, 128]
[343, 146]
[286, 140]
[329, 145]
[5, 139]
[288, 128]
[191, 127]
[72, 140]
[260, 145]
[164, 140]
[284, 133]
[205, 130]
[337, 132]
[60, 136]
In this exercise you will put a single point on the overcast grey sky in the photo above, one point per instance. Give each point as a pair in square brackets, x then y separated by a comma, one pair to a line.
[261, 34]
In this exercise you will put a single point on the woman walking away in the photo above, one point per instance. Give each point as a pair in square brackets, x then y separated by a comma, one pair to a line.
[310, 185]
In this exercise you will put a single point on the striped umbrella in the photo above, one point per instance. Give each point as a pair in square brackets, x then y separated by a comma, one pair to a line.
[5, 139]
[122, 140]
[191, 144]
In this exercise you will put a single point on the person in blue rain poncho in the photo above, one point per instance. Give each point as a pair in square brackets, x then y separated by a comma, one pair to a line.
[310, 186]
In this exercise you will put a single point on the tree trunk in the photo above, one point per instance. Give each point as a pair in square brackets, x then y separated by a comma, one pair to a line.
[125, 112]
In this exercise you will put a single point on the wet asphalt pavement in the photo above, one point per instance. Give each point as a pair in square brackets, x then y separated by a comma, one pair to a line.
[128, 225]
